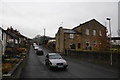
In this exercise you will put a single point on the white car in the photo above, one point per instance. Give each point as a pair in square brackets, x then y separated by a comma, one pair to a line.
[34, 44]
[36, 47]
[54, 60]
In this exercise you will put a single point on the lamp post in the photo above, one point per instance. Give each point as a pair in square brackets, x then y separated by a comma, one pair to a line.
[110, 40]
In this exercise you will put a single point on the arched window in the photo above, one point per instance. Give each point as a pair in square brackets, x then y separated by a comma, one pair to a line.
[100, 33]
[94, 32]
[87, 31]
[94, 43]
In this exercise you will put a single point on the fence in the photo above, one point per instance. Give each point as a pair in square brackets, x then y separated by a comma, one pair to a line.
[95, 56]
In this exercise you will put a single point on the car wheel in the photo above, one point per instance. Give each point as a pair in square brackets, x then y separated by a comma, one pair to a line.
[46, 63]
[49, 67]
[65, 68]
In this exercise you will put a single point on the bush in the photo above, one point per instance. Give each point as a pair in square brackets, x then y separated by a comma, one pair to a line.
[9, 51]
[23, 54]
[6, 67]
[22, 50]
[11, 60]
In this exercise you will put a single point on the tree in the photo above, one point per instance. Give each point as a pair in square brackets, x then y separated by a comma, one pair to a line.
[38, 36]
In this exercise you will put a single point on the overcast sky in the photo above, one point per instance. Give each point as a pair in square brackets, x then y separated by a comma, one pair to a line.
[30, 17]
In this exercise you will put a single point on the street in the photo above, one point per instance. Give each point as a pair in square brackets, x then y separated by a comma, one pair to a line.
[35, 68]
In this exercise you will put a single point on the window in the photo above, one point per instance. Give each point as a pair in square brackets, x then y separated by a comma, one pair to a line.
[94, 32]
[72, 36]
[72, 46]
[94, 43]
[87, 31]
[79, 45]
[87, 43]
[88, 46]
[100, 33]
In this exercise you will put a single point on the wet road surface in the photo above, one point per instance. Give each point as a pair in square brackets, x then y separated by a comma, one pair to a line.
[35, 68]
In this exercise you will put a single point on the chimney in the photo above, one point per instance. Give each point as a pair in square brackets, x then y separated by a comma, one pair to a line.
[60, 28]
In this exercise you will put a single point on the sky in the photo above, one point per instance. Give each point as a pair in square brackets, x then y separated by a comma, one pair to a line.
[30, 17]
[119, 17]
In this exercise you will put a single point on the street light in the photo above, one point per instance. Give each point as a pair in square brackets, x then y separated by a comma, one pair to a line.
[110, 40]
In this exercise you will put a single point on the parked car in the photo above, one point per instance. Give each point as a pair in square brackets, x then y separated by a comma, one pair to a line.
[34, 44]
[54, 60]
[39, 52]
[36, 47]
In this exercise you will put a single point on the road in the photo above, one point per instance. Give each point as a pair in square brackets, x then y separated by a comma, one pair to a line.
[35, 68]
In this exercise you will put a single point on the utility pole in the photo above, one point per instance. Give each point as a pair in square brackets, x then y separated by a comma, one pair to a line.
[110, 40]
[44, 32]
[44, 37]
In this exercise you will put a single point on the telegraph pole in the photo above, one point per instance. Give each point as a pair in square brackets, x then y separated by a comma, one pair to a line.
[110, 40]
[44, 37]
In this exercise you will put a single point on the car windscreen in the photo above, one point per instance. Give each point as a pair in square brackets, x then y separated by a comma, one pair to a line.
[55, 57]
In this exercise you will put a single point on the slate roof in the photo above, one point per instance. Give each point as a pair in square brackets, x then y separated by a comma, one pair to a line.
[89, 22]
[71, 31]
[115, 38]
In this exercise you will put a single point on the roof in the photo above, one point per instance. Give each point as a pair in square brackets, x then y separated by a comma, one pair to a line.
[88, 22]
[70, 31]
[0, 28]
[8, 33]
[115, 38]
[15, 33]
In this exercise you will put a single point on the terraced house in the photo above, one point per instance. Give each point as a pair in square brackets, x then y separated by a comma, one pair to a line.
[90, 35]
[10, 37]
[4, 38]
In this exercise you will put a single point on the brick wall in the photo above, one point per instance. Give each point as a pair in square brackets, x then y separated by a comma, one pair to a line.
[96, 40]
[100, 40]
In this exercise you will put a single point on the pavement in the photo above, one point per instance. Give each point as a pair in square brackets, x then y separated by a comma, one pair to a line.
[35, 68]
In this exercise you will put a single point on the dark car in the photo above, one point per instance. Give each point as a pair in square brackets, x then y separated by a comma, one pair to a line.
[39, 52]
[54, 60]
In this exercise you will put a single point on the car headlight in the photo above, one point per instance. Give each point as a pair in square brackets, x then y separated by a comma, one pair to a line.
[53, 64]
[65, 63]
[50, 63]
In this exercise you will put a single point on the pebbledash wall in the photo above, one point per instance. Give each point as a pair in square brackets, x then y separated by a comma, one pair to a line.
[1, 41]
[90, 35]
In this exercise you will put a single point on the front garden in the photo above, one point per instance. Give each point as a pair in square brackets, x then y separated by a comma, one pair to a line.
[12, 57]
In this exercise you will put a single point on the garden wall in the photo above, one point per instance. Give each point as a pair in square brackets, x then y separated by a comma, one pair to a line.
[95, 56]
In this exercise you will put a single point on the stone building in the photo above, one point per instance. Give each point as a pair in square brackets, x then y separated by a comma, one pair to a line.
[90, 35]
